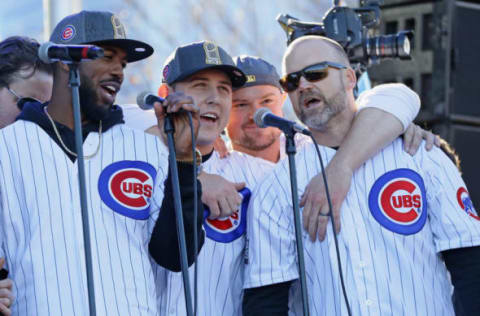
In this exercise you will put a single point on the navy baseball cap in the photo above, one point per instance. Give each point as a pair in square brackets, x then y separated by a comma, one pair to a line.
[98, 28]
[258, 71]
[191, 58]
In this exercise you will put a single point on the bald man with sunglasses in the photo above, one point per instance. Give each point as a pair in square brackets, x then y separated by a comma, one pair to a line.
[407, 221]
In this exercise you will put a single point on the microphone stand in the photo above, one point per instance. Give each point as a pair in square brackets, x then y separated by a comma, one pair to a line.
[291, 150]
[74, 83]
[172, 161]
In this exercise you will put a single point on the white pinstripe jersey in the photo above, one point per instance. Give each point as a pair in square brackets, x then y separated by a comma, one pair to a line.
[399, 214]
[41, 229]
[300, 141]
[220, 262]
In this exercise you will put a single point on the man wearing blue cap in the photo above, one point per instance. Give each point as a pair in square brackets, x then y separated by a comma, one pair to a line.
[126, 176]
[206, 72]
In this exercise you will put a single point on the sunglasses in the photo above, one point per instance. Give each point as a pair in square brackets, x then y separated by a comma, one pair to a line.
[22, 100]
[311, 73]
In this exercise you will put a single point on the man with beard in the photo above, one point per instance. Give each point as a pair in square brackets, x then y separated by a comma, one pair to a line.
[408, 220]
[263, 90]
[126, 172]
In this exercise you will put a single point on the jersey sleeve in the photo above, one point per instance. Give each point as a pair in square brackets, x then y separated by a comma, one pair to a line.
[454, 220]
[394, 98]
[270, 250]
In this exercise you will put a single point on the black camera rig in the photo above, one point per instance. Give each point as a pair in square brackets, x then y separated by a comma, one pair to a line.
[352, 28]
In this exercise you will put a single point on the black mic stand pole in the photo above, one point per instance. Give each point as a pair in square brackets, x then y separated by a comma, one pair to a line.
[172, 161]
[291, 150]
[74, 83]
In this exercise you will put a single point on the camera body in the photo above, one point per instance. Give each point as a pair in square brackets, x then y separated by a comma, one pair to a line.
[350, 28]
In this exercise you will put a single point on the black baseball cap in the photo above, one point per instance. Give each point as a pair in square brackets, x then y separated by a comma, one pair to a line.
[98, 28]
[258, 71]
[191, 58]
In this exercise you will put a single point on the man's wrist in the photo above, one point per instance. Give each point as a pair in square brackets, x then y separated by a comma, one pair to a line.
[342, 161]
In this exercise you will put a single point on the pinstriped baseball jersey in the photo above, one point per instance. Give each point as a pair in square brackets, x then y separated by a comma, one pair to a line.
[220, 262]
[40, 218]
[400, 212]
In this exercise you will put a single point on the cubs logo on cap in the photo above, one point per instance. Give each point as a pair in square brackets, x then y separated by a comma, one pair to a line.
[397, 201]
[165, 73]
[228, 229]
[127, 186]
[68, 33]
[463, 199]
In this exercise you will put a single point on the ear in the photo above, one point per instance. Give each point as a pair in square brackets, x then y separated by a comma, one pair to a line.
[351, 78]
[284, 97]
[163, 90]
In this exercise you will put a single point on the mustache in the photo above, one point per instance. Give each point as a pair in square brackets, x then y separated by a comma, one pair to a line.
[250, 122]
[112, 79]
[311, 94]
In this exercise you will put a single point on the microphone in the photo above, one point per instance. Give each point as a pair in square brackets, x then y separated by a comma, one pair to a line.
[264, 117]
[50, 52]
[146, 99]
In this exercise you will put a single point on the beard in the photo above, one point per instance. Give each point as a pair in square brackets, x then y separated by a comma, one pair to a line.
[257, 142]
[89, 103]
[318, 118]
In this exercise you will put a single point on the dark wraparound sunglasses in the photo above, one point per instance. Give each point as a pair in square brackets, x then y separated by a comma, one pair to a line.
[311, 73]
[21, 100]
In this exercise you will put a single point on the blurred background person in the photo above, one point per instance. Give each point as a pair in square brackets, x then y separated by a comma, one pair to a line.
[23, 77]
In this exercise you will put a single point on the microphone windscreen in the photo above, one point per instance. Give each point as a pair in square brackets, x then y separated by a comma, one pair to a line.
[259, 115]
[43, 52]
[142, 102]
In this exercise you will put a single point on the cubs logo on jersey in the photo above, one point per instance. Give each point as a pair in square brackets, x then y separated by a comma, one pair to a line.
[228, 229]
[126, 187]
[397, 200]
[463, 199]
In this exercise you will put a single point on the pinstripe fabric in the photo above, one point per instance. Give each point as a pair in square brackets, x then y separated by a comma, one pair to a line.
[42, 233]
[300, 141]
[386, 272]
[220, 274]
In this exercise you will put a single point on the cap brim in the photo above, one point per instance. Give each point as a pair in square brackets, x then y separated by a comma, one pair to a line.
[135, 50]
[237, 77]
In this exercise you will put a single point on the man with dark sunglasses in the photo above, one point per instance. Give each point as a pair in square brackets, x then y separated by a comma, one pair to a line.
[407, 221]
[23, 77]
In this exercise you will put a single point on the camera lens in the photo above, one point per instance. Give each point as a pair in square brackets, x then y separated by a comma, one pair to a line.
[394, 45]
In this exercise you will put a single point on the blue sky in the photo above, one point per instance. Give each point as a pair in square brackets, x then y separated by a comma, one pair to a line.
[240, 26]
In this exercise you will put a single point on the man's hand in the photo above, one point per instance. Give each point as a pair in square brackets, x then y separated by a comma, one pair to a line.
[6, 295]
[314, 199]
[221, 196]
[182, 136]
[221, 147]
[414, 135]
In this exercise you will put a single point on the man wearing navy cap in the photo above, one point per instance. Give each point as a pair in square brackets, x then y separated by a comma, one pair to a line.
[205, 71]
[126, 180]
